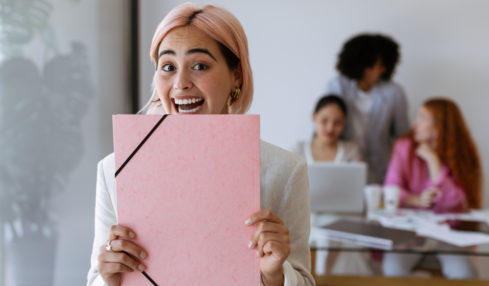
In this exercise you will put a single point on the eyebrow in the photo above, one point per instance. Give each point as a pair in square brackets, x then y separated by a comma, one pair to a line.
[166, 52]
[191, 51]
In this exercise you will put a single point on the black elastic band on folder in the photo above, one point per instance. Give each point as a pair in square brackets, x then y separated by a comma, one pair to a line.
[145, 274]
[149, 278]
[129, 159]
[140, 144]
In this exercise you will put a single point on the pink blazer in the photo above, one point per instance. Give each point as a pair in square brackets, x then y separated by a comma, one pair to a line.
[415, 178]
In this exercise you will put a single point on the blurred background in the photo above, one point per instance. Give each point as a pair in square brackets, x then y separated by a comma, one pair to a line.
[67, 65]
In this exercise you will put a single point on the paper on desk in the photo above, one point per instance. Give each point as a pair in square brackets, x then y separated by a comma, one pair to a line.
[457, 238]
[428, 224]
[187, 192]
[405, 219]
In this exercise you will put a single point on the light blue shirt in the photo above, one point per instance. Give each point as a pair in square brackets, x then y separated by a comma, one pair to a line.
[388, 120]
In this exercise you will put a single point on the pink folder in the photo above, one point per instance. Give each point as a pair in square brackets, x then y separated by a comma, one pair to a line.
[186, 192]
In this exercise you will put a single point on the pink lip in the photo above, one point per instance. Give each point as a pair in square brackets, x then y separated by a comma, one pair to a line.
[330, 135]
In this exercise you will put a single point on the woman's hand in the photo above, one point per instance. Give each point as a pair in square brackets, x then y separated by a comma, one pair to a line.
[425, 200]
[425, 152]
[272, 243]
[123, 256]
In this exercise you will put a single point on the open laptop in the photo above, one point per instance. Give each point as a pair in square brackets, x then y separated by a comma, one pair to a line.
[337, 187]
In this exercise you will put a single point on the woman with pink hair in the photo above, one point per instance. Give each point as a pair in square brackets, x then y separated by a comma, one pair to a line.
[202, 67]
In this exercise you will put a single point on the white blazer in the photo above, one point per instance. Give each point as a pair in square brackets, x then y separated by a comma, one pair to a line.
[284, 190]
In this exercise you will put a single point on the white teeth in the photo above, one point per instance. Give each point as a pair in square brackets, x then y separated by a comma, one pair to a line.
[180, 110]
[187, 101]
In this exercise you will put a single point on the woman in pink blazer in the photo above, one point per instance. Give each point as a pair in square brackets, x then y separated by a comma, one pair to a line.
[436, 166]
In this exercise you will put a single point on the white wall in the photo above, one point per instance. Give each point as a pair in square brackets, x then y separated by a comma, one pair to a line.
[294, 44]
[102, 28]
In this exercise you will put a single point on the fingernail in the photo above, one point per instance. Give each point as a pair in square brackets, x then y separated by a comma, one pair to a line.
[132, 235]
[141, 267]
[248, 221]
[250, 244]
[142, 255]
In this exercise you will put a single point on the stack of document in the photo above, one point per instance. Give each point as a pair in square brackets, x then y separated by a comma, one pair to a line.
[430, 224]
[457, 238]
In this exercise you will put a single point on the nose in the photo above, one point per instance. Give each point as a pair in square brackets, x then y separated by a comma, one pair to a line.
[330, 127]
[182, 81]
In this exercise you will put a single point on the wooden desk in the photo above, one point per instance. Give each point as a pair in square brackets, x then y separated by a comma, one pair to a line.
[384, 281]
[337, 280]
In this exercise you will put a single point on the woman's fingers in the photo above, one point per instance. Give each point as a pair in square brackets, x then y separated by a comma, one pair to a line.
[121, 231]
[266, 237]
[428, 197]
[123, 255]
[425, 201]
[121, 258]
[280, 250]
[262, 215]
[271, 237]
[112, 268]
[128, 247]
[263, 227]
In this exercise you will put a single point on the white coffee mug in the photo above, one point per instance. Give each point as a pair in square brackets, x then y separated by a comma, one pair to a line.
[391, 198]
[372, 197]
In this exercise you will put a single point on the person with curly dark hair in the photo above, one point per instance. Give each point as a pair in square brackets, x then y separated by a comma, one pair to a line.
[377, 106]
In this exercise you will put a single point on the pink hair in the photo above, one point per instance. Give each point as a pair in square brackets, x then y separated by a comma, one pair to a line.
[220, 25]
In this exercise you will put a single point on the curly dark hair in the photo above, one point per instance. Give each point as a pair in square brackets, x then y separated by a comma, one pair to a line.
[362, 51]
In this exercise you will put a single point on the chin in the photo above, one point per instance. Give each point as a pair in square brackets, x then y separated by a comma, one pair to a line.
[419, 139]
[329, 139]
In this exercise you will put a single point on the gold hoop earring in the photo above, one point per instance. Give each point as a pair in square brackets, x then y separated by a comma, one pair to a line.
[235, 94]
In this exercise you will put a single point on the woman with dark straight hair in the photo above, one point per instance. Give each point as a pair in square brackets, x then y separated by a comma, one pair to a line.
[329, 117]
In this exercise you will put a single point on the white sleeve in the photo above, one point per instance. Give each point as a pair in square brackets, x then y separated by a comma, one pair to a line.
[105, 217]
[298, 149]
[296, 214]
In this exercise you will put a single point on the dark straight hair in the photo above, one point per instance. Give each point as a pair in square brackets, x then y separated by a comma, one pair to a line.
[331, 99]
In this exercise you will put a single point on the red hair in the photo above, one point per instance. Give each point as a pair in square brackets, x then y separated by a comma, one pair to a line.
[455, 148]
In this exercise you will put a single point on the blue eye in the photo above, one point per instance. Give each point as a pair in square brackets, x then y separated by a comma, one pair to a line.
[200, 67]
[168, 67]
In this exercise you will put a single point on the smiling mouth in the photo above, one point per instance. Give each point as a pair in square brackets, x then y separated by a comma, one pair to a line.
[188, 105]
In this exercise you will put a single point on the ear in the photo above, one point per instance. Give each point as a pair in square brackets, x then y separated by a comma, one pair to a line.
[238, 76]
[238, 82]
